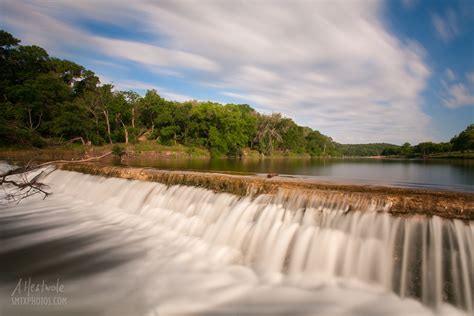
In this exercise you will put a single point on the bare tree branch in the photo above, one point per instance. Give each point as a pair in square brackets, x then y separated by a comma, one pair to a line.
[17, 186]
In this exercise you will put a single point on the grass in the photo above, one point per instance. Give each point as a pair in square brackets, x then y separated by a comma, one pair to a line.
[146, 149]
[76, 151]
[177, 150]
[454, 154]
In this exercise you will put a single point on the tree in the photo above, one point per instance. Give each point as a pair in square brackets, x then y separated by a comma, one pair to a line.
[465, 140]
[104, 99]
[202, 117]
[406, 150]
[71, 121]
[232, 123]
[7, 40]
[294, 137]
[148, 106]
[268, 134]
[316, 143]
[166, 122]
[46, 100]
[35, 87]
[7, 70]
[133, 99]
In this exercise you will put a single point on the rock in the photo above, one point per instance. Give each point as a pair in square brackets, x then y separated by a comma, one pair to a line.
[395, 200]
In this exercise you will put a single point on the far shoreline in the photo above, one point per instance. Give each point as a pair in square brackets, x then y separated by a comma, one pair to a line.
[150, 150]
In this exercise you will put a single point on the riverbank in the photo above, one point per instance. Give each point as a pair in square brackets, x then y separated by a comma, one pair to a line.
[447, 155]
[148, 149]
[142, 150]
[151, 150]
[395, 200]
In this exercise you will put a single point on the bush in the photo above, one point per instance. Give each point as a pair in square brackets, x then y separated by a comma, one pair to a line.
[118, 151]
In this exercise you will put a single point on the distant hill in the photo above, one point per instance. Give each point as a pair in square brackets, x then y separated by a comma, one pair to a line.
[363, 150]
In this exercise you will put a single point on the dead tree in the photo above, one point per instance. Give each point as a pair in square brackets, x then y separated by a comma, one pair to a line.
[17, 185]
[21, 182]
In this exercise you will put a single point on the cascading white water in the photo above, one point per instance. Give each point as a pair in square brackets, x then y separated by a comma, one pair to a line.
[197, 251]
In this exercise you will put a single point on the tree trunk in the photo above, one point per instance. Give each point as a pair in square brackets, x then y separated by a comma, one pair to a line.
[77, 138]
[125, 130]
[96, 127]
[270, 142]
[29, 117]
[33, 128]
[106, 115]
[96, 120]
[133, 117]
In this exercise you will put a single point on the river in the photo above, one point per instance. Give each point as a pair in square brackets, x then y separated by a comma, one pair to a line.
[453, 174]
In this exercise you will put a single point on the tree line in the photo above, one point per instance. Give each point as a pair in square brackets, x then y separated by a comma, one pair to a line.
[462, 142]
[46, 100]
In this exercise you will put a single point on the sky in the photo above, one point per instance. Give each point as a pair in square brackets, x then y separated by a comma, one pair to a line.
[357, 70]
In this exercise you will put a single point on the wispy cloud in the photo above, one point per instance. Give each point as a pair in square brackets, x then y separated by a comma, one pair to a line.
[44, 24]
[332, 66]
[458, 94]
[447, 27]
[450, 74]
[470, 77]
[153, 55]
[142, 87]
[409, 4]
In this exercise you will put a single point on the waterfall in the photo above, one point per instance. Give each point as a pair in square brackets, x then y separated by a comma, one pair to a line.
[285, 240]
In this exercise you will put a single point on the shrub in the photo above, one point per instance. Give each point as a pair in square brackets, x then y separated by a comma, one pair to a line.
[118, 151]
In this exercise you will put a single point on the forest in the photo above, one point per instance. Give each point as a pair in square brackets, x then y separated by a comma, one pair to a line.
[46, 101]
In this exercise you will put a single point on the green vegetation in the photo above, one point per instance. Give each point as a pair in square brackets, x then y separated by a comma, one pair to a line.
[118, 151]
[47, 101]
[364, 150]
[460, 146]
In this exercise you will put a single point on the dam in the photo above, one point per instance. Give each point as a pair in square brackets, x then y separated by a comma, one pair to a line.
[133, 247]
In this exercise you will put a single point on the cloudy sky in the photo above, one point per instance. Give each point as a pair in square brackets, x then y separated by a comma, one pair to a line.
[357, 70]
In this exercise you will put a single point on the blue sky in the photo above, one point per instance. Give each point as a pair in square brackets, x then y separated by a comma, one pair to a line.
[358, 71]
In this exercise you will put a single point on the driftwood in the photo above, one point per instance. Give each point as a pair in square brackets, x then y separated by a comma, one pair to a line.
[76, 139]
[21, 186]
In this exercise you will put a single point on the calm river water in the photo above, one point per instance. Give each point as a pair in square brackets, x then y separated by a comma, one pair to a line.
[443, 174]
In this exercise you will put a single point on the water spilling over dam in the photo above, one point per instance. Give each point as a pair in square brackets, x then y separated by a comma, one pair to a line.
[138, 248]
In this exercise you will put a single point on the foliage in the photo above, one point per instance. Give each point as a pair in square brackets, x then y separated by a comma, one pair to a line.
[43, 98]
[361, 150]
[118, 151]
[460, 143]
[465, 140]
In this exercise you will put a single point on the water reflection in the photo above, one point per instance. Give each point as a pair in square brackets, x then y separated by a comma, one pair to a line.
[447, 174]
